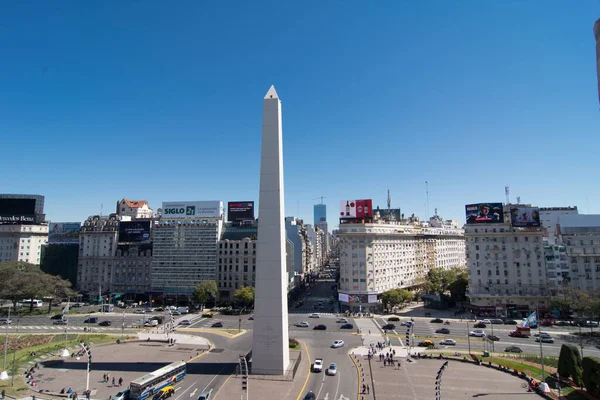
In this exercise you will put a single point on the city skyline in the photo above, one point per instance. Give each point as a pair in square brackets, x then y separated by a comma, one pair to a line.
[373, 100]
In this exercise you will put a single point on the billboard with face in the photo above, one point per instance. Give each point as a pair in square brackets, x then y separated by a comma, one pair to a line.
[484, 213]
[524, 216]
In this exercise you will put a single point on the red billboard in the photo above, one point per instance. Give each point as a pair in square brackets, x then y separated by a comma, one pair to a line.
[364, 208]
[356, 209]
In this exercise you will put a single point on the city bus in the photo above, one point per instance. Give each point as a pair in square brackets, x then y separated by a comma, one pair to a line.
[107, 308]
[27, 303]
[151, 383]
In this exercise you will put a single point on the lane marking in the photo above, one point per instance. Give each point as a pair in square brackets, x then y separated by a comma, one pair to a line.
[194, 392]
[307, 375]
[228, 378]
[337, 389]
[358, 376]
[189, 387]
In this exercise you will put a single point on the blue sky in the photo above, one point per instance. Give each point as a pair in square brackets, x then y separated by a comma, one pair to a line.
[163, 101]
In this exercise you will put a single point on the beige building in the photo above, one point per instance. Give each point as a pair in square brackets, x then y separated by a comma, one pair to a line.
[22, 242]
[136, 209]
[236, 260]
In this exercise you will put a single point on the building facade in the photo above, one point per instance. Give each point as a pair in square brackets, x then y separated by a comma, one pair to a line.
[379, 256]
[320, 213]
[136, 209]
[236, 260]
[580, 235]
[507, 270]
[22, 242]
[549, 217]
[557, 266]
[132, 271]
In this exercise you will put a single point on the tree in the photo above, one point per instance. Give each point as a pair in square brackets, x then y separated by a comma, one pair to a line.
[569, 363]
[591, 375]
[439, 280]
[205, 291]
[22, 280]
[60, 288]
[244, 296]
[458, 287]
[390, 299]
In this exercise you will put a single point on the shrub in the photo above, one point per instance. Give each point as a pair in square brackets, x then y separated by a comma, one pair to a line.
[591, 375]
[569, 363]
[293, 343]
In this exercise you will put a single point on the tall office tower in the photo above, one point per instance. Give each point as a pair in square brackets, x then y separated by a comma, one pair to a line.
[597, 36]
[270, 348]
[320, 213]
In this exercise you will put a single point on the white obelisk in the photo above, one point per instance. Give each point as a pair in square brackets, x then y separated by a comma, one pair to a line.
[270, 348]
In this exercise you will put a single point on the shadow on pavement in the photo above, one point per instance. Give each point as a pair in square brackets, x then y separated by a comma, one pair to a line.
[196, 368]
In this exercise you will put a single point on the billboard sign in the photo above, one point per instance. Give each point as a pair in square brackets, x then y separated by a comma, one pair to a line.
[17, 211]
[524, 216]
[63, 232]
[357, 298]
[192, 209]
[238, 211]
[484, 213]
[356, 209]
[134, 231]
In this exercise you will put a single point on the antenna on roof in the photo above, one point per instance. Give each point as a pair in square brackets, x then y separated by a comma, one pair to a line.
[101, 208]
[427, 195]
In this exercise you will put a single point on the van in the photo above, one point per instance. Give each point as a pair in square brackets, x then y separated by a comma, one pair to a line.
[122, 395]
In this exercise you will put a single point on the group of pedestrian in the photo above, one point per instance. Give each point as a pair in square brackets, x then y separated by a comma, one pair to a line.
[366, 389]
[30, 373]
[106, 378]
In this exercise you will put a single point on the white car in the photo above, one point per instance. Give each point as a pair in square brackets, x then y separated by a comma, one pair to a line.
[485, 321]
[477, 333]
[448, 342]
[337, 343]
[152, 322]
[314, 315]
[406, 323]
[302, 324]
[342, 321]
[332, 370]
[185, 322]
[543, 334]
[5, 321]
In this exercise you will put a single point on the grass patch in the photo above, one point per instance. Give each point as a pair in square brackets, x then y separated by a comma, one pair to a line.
[21, 348]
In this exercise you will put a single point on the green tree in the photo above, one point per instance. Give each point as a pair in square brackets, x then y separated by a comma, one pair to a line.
[390, 299]
[569, 363]
[244, 296]
[205, 291]
[438, 280]
[405, 295]
[591, 375]
[458, 287]
[60, 288]
[22, 280]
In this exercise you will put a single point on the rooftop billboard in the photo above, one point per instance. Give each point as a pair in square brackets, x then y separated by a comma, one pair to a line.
[134, 231]
[238, 211]
[17, 211]
[63, 232]
[524, 216]
[350, 209]
[484, 213]
[192, 209]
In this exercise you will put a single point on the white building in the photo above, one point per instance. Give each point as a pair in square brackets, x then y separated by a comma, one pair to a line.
[507, 269]
[323, 226]
[135, 209]
[549, 217]
[581, 236]
[185, 246]
[22, 242]
[379, 256]
[557, 266]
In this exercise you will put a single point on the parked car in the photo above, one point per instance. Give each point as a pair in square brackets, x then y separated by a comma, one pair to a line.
[302, 324]
[388, 327]
[320, 328]
[217, 325]
[394, 319]
[448, 342]
[480, 325]
[437, 321]
[347, 326]
[445, 331]
[105, 323]
[337, 343]
[513, 349]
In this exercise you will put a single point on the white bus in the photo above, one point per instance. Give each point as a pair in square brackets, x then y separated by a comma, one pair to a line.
[27, 303]
[151, 383]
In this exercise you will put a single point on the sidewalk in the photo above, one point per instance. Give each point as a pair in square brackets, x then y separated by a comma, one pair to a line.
[179, 338]
[371, 333]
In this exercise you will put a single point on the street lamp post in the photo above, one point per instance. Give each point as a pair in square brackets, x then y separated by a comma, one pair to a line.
[88, 353]
[4, 375]
[14, 366]
[468, 337]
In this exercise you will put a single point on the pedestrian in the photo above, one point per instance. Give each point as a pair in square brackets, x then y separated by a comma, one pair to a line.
[104, 377]
[113, 381]
[3, 394]
[368, 389]
[364, 388]
[120, 381]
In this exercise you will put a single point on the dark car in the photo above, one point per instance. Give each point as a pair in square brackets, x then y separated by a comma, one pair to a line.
[217, 325]
[513, 349]
[207, 315]
[443, 330]
[493, 338]
[388, 327]
[91, 320]
[347, 326]
[61, 322]
[105, 323]
[480, 325]
[497, 321]
[395, 319]
[310, 396]
[57, 316]
[437, 321]
[320, 328]
[510, 322]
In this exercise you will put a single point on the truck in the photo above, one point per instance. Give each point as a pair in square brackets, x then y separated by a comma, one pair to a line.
[318, 365]
[521, 331]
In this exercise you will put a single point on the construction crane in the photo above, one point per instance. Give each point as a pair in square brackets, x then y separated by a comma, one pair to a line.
[322, 197]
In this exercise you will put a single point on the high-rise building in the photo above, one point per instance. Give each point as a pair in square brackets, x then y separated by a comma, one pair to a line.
[506, 261]
[185, 246]
[580, 234]
[320, 213]
[236, 260]
[549, 218]
[23, 229]
[378, 256]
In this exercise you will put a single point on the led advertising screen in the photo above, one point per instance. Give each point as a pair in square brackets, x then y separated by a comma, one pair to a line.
[17, 211]
[63, 232]
[484, 213]
[356, 209]
[343, 297]
[238, 211]
[372, 298]
[192, 209]
[524, 216]
[134, 231]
